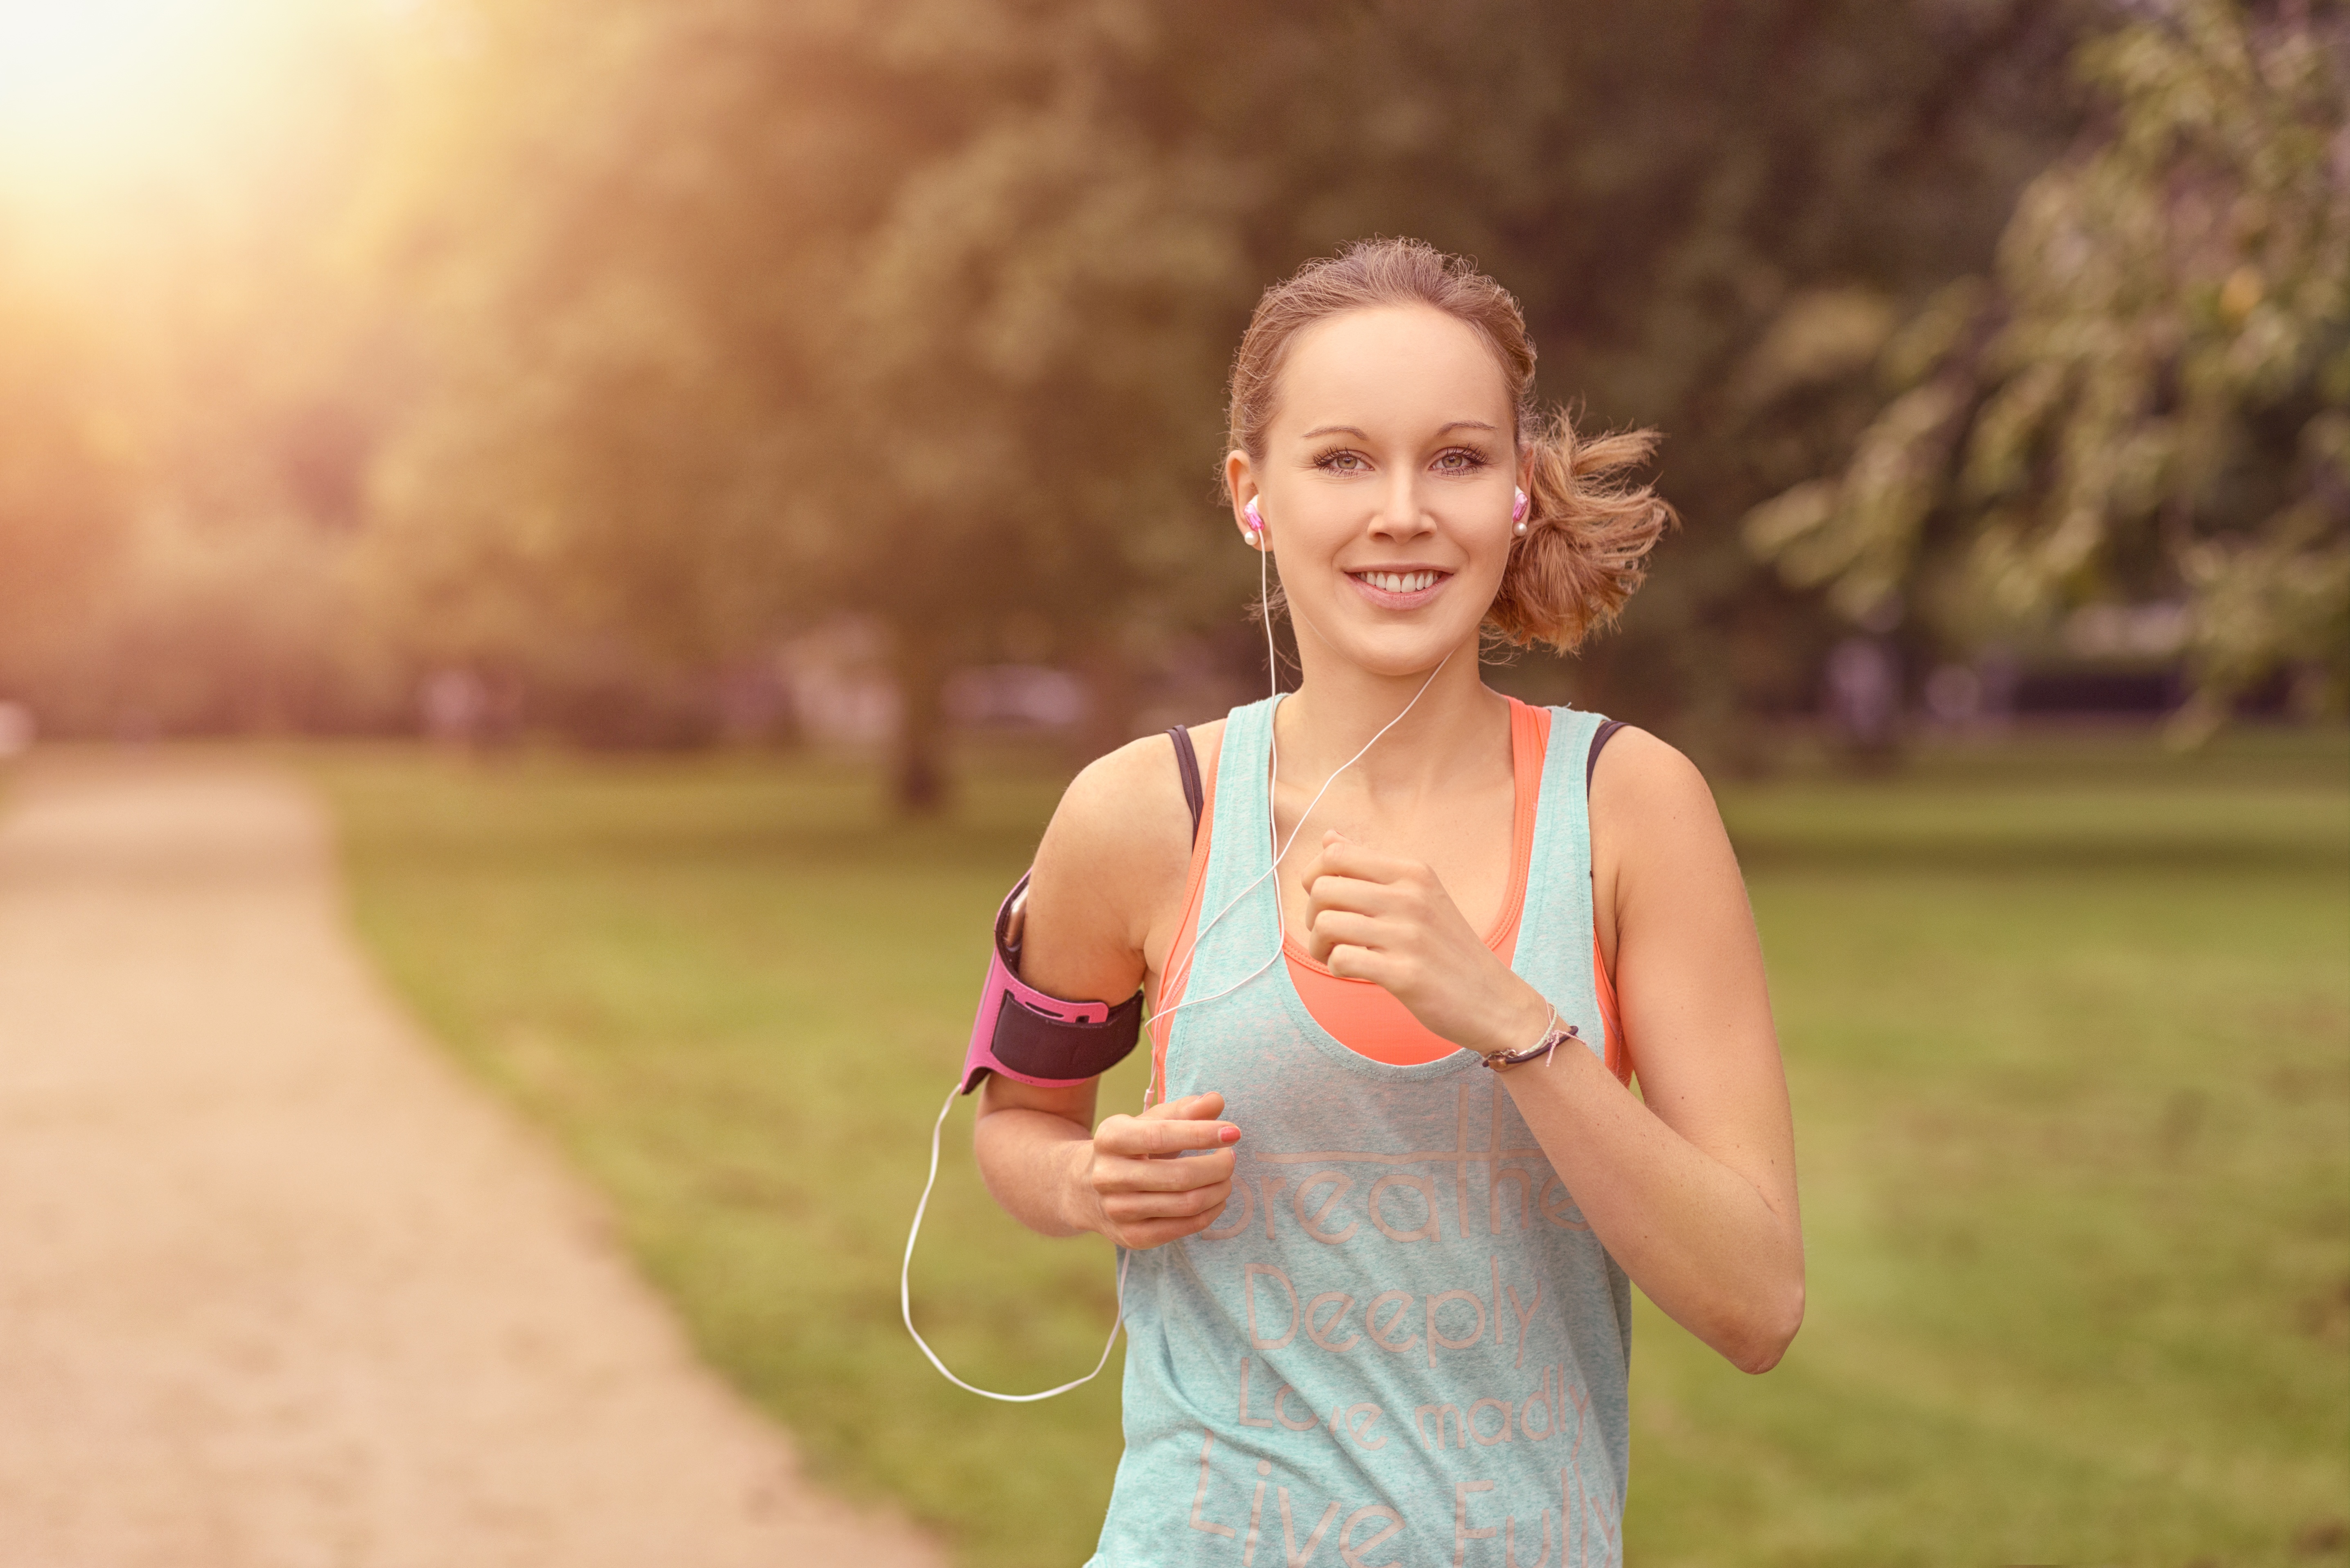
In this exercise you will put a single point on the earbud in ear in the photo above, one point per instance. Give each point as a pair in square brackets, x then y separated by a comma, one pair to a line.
[1255, 521]
[1518, 512]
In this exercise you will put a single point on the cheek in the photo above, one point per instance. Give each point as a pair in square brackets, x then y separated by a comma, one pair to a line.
[1488, 562]
[1307, 550]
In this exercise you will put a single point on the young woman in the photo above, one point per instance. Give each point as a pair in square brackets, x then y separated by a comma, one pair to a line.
[1377, 1299]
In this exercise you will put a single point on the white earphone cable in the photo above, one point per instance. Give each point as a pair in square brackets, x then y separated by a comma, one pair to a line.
[906, 1296]
[1272, 774]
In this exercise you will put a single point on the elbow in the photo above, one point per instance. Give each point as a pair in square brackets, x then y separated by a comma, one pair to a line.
[1758, 1340]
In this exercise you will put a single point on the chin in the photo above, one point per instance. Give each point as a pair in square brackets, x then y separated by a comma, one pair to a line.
[1399, 651]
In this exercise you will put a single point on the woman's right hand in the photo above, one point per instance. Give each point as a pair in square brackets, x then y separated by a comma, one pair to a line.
[1142, 1185]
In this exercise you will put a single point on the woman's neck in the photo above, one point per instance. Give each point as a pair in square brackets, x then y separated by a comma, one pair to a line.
[1452, 723]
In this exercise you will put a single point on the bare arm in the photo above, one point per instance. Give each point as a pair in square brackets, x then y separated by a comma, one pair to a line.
[1110, 870]
[1692, 1191]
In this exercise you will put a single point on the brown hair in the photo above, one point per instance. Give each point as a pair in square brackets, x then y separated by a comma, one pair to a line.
[1589, 525]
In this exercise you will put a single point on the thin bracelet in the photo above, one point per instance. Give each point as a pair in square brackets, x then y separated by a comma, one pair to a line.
[1554, 1035]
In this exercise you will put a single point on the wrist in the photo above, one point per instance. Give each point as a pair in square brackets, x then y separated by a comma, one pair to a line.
[1081, 1208]
[1519, 1018]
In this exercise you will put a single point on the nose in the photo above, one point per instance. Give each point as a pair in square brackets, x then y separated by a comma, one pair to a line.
[1400, 514]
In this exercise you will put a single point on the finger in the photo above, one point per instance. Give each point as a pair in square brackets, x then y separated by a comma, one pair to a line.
[1125, 1208]
[1319, 864]
[1349, 962]
[1331, 928]
[1347, 858]
[1193, 1119]
[1142, 1139]
[1165, 1226]
[1343, 858]
[1146, 1234]
[1135, 1138]
[1335, 891]
[1187, 1108]
[1114, 1174]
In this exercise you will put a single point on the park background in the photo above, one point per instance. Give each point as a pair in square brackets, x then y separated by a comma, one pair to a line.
[687, 479]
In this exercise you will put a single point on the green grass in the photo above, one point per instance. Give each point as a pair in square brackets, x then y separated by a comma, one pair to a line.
[2067, 1026]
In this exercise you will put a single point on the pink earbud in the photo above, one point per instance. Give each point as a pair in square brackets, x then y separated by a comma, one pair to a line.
[1255, 521]
[1518, 512]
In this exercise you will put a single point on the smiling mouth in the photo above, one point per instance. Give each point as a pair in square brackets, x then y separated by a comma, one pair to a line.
[1399, 581]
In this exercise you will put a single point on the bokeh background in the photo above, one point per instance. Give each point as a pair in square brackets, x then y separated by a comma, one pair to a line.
[688, 478]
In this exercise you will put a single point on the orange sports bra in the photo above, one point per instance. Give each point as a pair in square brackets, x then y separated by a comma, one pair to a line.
[1361, 1015]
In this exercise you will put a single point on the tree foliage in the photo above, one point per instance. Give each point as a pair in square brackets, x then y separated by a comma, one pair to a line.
[2148, 395]
[62, 493]
[192, 378]
[736, 313]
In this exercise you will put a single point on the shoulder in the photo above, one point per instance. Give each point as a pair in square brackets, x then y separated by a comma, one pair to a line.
[1652, 811]
[1121, 841]
[1131, 798]
[1641, 777]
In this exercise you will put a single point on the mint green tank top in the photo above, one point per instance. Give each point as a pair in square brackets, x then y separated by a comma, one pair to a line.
[1400, 1345]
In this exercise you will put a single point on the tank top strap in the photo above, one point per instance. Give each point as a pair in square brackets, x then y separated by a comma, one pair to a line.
[1239, 899]
[1555, 941]
[1231, 906]
[1179, 951]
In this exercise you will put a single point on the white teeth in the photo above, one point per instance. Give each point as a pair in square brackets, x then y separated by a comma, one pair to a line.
[1399, 581]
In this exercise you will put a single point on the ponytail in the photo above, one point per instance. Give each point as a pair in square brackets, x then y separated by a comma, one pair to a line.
[1590, 526]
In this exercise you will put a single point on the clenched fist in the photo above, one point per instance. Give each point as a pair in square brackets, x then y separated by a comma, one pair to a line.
[1144, 1185]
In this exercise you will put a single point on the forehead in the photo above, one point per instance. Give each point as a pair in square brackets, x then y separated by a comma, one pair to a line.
[1389, 366]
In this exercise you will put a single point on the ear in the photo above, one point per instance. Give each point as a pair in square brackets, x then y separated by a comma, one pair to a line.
[1240, 486]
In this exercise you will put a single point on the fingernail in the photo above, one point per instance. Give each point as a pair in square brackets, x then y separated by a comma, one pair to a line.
[1229, 1134]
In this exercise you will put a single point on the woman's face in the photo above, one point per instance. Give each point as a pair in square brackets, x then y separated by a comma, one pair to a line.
[1385, 486]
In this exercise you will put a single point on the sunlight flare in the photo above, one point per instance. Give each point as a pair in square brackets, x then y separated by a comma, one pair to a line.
[89, 87]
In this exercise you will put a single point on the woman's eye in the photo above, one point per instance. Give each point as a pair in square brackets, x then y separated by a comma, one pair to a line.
[1343, 462]
[1459, 461]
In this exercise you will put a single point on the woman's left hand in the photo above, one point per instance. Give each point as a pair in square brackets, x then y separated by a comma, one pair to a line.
[1387, 919]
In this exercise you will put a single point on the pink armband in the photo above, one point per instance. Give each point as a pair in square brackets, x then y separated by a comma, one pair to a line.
[1037, 1039]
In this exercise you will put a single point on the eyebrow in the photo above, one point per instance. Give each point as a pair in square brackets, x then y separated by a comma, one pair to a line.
[1352, 430]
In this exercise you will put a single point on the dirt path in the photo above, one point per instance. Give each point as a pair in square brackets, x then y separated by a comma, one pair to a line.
[278, 1288]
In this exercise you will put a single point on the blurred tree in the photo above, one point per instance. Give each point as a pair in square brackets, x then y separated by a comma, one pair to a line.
[922, 308]
[63, 497]
[2150, 396]
[1660, 185]
[189, 386]
[1040, 322]
[874, 308]
[614, 226]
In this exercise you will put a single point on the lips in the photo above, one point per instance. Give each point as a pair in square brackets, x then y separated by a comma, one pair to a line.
[1403, 588]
